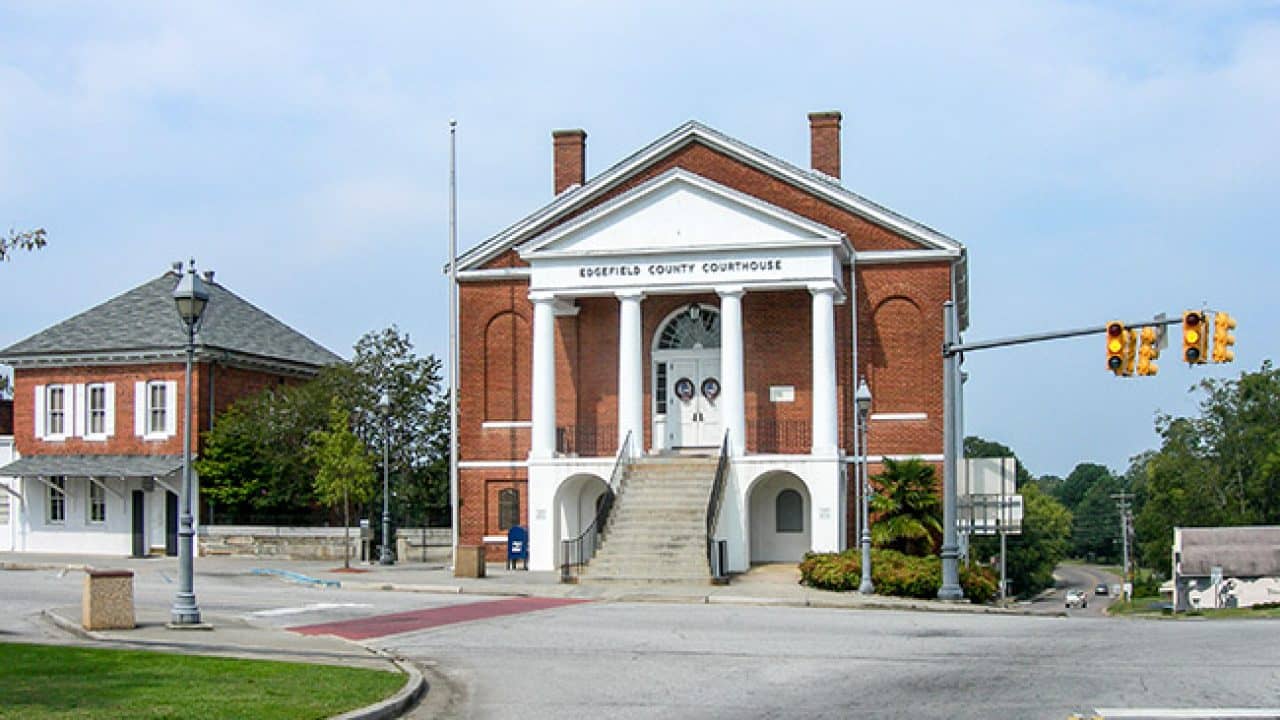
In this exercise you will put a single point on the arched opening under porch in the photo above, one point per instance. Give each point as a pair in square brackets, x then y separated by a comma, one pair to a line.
[577, 502]
[778, 518]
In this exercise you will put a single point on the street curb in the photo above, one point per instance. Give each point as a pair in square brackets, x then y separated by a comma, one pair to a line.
[396, 705]
[72, 627]
[6, 565]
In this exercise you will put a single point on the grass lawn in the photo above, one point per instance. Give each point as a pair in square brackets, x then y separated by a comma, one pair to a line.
[51, 681]
[1149, 606]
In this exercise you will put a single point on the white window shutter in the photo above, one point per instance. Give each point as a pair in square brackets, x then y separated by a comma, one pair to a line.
[109, 423]
[39, 412]
[77, 413]
[140, 408]
[170, 409]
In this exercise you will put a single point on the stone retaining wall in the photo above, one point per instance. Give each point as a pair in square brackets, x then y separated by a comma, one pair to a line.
[291, 543]
[317, 543]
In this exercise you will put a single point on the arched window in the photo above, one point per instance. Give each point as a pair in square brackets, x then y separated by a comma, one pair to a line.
[789, 512]
[508, 508]
[697, 326]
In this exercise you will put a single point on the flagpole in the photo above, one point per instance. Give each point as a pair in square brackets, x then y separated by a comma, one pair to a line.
[453, 337]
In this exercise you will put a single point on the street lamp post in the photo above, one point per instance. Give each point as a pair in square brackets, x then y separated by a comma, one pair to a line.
[862, 398]
[191, 296]
[384, 405]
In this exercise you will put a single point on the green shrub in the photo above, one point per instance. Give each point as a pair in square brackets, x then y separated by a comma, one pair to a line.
[1146, 584]
[893, 573]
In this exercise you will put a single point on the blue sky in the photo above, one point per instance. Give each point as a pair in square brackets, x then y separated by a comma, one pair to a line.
[1099, 160]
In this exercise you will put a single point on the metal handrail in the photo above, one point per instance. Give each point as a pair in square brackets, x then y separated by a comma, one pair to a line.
[716, 548]
[578, 551]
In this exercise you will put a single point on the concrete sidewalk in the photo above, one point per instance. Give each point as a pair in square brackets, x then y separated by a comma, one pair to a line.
[763, 585]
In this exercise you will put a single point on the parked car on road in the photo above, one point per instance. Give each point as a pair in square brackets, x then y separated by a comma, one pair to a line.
[1077, 598]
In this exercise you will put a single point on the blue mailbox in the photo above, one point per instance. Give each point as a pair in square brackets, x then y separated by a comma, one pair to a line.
[517, 547]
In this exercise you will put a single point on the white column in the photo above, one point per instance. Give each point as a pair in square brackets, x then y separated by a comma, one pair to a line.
[732, 403]
[544, 377]
[630, 371]
[824, 370]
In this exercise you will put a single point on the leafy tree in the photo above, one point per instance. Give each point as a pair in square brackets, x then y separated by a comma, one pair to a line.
[26, 240]
[417, 425]
[908, 508]
[1083, 476]
[1043, 543]
[254, 464]
[1095, 532]
[344, 468]
[1220, 468]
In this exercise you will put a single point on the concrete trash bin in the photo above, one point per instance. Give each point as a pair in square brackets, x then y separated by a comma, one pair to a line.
[470, 561]
[108, 600]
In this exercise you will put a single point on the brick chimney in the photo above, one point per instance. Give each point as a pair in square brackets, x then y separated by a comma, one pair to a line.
[824, 142]
[570, 158]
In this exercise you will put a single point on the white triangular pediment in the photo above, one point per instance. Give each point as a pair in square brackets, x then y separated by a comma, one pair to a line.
[679, 212]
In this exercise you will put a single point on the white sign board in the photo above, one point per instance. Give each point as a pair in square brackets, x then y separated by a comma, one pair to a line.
[988, 499]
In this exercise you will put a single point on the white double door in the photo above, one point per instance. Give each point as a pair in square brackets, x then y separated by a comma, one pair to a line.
[693, 401]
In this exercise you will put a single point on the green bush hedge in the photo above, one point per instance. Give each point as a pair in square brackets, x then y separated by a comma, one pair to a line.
[894, 573]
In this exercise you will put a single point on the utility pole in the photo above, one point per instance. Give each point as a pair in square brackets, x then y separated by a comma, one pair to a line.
[1122, 504]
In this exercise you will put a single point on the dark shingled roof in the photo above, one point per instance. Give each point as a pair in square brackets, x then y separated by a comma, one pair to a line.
[93, 466]
[1239, 551]
[144, 320]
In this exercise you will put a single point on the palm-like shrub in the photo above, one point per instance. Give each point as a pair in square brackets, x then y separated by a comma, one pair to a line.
[908, 508]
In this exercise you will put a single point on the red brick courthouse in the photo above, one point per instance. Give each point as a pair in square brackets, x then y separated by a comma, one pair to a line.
[698, 298]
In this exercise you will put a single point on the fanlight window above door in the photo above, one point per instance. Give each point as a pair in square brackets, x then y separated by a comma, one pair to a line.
[697, 326]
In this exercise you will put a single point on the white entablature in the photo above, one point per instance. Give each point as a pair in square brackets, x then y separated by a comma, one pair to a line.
[678, 233]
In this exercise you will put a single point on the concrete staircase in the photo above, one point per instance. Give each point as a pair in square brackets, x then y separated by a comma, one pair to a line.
[657, 530]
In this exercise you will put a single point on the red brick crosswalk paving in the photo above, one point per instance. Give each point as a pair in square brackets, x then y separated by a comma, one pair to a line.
[379, 625]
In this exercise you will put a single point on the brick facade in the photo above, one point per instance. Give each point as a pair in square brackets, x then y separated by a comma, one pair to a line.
[229, 385]
[899, 332]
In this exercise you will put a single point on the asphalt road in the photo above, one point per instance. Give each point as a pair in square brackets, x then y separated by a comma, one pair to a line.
[651, 660]
[1077, 576]
[634, 660]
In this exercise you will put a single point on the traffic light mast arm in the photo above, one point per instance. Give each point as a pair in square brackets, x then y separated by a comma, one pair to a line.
[957, 348]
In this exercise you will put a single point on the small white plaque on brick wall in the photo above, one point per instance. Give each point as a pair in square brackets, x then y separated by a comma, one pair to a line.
[782, 393]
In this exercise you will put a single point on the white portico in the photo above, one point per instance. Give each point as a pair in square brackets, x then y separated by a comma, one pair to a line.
[680, 234]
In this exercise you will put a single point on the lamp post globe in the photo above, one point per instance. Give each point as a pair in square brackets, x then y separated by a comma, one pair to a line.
[862, 400]
[384, 407]
[191, 296]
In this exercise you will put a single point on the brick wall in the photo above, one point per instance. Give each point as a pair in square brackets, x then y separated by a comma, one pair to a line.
[230, 384]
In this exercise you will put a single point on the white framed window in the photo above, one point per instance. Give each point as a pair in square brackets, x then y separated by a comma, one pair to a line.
[157, 406]
[154, 409]
[55, 412]
[97, 503]
[57, 501]
[95, 410]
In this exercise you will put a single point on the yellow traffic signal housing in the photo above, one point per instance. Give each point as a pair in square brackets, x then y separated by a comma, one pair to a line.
[1117, 343]
[1148, 352]
[1223, 324]
[1130, 350]
[1195, 339]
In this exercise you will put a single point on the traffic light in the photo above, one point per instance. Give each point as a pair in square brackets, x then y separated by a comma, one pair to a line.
[1116, 345]
[1223, 324]
[1148, 352]
[1130, 350]
[1194, 339]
